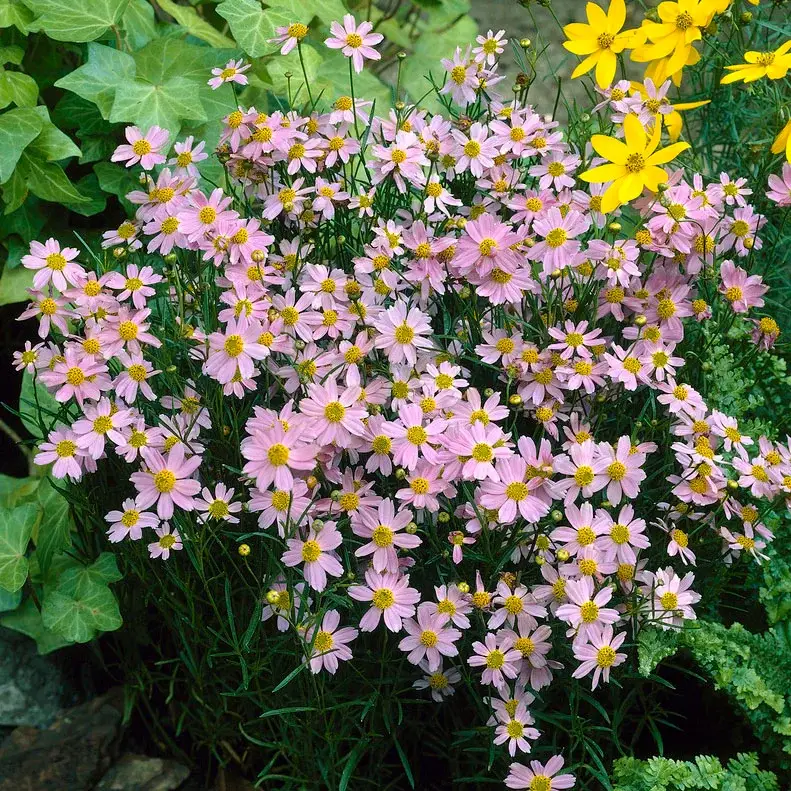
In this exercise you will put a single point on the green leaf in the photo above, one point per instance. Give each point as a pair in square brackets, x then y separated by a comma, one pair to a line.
[16, 526]
[14, 491]
[9, 601]
[54, 529]
[195, 25]
[139, 23]
[15, 193]
[252, 26]
[76, 580]
[654, 645]
[27, 620]
[19, 88]
[18, 128]
[75, 20]
[35, 397]
[11, 54]
[88, 186]
[280, 66]
[14, 12]
[116, 180]
[104, 70]
[80, 616]
[52, 145]
[162, 105]
[47, 180]
[14, 285]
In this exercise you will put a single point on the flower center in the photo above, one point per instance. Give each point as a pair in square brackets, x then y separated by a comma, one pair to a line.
[740, 229]
[556, 169]
[438, 680]
[75, 376]
[669, 600]
[605, 40]
[472, 148]
[482, 452]
[65, 448]
[334, 411]
[513, 605]
[417, 435]
[383, 598]
[207, 215]
[617, 471]
[525, 645]
[420, 486]
[349, 501]
[404, 334]
[278, 455]
[311, 551]
[605, 656]
[516, 491]
[164, 481]
[495, 659]
[619, 534]
[102, 424]
[540, 783]
[141, 147]
[234, 345]
[584, 476]
[381, 444]
[585, 536]
[323, 642]
[382, 536]
[354, 40]
[398, 156]
[127, 330]
[556, 237]
[684, 21]
[589, 612]
[219, 509]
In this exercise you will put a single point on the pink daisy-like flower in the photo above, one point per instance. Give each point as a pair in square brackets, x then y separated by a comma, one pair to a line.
[481, 445]
[516, 729]
[354, 41]
[136, 283]
[384, 530]
[585, 612]
[130, 522]
[425, 484]
[317, 555]
[333, 416]
[218, 506]
[390, 597]
[53, 264]
[429, 638]
[62, 451]
[515, 607]
[234, 71]
[623, 469]
[475, 150]
[512, 493]
[452, 604]
[620, 539]
[289, 36]
[440, 682]
[780, 187]
[586, 469]
[669, 599]
[558, 248]
[538, 776]
[167, 480]
[168, 541]
[77, 376]
[101, 421]
[187, 157]
[599, 654]
[582, 532]
[234, 350]
[272, 454]
[743, 291]
[498, 658]
[400, 332]
[574, 339]
[328, 645]
[143, 148]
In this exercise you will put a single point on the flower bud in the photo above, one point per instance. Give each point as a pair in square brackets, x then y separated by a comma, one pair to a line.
[443, 517]
[272, 596]
[641, 320]
[732, 485]
[317, 525]
[312, 481]
[557, 516]
[525, 43]
[171, 369]
[563, 555]
[515, 399]
[539, 560]
[488, 392]
[244, 550]
[336, 495]
[400, 473]
[465, 292]
[463, 587]
[401, 55]
[745, 17]
[614, 227]
[411, 528]
[119, 253]
[171, 258]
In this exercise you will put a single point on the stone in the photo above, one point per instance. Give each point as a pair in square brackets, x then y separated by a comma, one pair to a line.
[32, 687]
[141, 773]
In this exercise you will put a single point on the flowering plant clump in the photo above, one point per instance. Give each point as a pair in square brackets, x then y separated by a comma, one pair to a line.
[437, 380]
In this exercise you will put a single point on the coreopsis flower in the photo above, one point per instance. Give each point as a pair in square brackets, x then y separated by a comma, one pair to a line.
[634, 163]
[400, 332]
[498, 658]
[741, 290]
[539, 776]
[101, 421]
[513, 493]
[384, 529]
[489, 47]
[219, 505]
[233, 71]
[143, 148]
[354, 41]
[316, 554]
[327, 644]
[620, 539]
[187, 156]
[440, 681]
[780, 187]
[516, 729]
[289, 36]
[135, 284]
[600, 41]
[515, 607]
[461, 80]
[78, 376]
[53, 264]
[167, 480]
[773, 64]
[585, 612]
[599, 654]
[390, 598]
[168, 541]
[130, 522]
[669, 599]
[62, 451]
[429, 638]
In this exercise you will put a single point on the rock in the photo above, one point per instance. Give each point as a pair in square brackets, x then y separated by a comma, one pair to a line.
[73, 754]
[32, 688]
[140, 773]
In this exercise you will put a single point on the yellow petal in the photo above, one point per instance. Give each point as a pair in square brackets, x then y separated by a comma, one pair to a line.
[596, 17]
[667, 154]
[579, 30]
[631, 187]
[674, 124]
[656, 136]
[610, 148]
[635, 133]
[586, 64]
[582, 46]
[616, 15]
[610, 200]
[653, 177]
[605, 69]
[604, 173]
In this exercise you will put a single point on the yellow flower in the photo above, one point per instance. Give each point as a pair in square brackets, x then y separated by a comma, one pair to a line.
[774, 65]
[671, 40]
[634, 163]
[600, 40]
[783, 142]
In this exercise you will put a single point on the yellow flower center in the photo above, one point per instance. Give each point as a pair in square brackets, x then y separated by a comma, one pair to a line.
[65, 448]
[235, 119]
[540, 783]
[102, 424]
[472, 148]
[420, 485]
[429, 638]
[311, 551]
[234, 345]
[277, 455]
[141, 147]
[75, 376]
[219, 509]
[605, 656]
[404, 334]
[605, 40]
[681, 538]
[584, 476]
[619, 534]
[635, 163]
[513, 605]
[334, 411]
[299, 31]
[383, 598]
[745, 542]
[589, 612]
[616, 471]
[164, 481]
[684, 21]
[669, 601]
[482, 452]
[323, 642]
[354, 40]
[495, 659]
[556, 237]
[556, 169]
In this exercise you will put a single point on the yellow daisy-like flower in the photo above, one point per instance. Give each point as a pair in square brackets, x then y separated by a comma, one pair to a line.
[671, 40]
[634, 162]
[774, 65]
[783, 142]
[600, 40]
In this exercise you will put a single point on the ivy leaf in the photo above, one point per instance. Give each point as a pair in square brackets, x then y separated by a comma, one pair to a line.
[15, 193]
[195, 24]
[19, 88]
[27, 620]
[14, 491]
[89, 188]
[14, 285]
[139, 23]
[18, 128]
[77, 580]
[54, 529]
[16, 526]
[116, 180]
[280, 66]
[52, 145]
[16, 13]
[104, 70]
[11, 53]
[9, 601]
[253, 26]
[79, 616]
[162, 105]
[75, 20]
[47, 180]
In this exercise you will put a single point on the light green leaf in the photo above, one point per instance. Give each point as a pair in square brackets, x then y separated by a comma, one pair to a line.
[116, 180]
[304, 10]
[14, 491]
[15, 12]
[52, 145]
[54, 529]
[35, 397]
[12, 53]
[18, 128]
[15, 192]
[280, 66]
[9, 601]
[162, 105]
[16, 525]
[27, 620]
[139, 23]
[77, 580]
[333, 80]
[47, 180]
[75, 20]
[14, 284]
[195, 24]
[252, 26]
[19, 88]
[80, 616]
[104, 70]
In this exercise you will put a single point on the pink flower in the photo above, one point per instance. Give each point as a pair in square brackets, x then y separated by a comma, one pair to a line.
[429, 637]
[574, 339]
[234, 350]
[384, 529]
[333, 416]
[280, 506]
[273, 453]
[497, 656]
[620, 539]
[166, 542]
[77, 376]
[143, 148]
[202, 215]
[355, 41]
[316, 554]
[451, 603]
[512, 493]
[135, 284]
[440, 682]
[743, 291]
[167, 481]
[558, 248]
[234, 71]
[585, 611]
[400, 332]
[329, 645]
[623, 469]
[583, 531]
[187, 157]
[515, 729]
[539, 776]
[218, 505]
[461, 81]
[458, 541]
[390, 596]
[425, 484]
[475, 150]
[136, 372]
[780, 188]
[289, 36]
[669, 599]
[53, 264]
[586, 468]
[101, 422]
[489, 47]
[599, 654]
[62, 451]
[130, 522]
[517, 607]
[481, 446]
